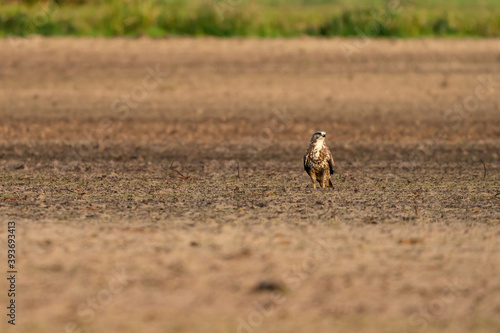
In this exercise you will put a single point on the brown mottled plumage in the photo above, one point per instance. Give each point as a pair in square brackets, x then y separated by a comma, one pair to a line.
[318, 161]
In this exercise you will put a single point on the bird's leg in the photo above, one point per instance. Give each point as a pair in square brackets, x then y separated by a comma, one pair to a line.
[313, 178]
[325, 179]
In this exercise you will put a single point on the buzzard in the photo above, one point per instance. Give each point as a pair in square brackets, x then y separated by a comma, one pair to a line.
[318, 161]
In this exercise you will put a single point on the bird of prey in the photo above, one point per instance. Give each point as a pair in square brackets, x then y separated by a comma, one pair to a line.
[318, 161]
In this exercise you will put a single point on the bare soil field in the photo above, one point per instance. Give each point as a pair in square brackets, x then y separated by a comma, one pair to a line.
[158, 186]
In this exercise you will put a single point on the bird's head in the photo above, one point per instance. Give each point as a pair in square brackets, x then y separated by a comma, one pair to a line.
[318, 136]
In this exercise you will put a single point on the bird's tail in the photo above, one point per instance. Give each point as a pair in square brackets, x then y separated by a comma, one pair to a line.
[330, 183]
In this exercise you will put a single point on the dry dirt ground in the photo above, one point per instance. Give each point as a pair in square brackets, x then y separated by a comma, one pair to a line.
[157, 185]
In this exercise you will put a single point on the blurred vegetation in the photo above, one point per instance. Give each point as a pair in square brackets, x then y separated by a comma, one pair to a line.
[257, 18]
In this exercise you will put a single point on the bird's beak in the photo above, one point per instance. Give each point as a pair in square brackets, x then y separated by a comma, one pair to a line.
[324, 135]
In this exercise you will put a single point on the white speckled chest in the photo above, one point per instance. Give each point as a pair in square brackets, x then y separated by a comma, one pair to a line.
[317, 158]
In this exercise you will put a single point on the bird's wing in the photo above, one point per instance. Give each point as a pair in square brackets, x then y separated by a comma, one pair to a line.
[305, 163]
[331, 163]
